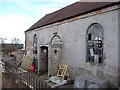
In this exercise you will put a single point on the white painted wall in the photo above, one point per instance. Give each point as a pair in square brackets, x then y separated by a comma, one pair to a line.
[73, 36]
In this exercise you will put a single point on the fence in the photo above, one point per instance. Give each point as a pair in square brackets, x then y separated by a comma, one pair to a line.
[21, 79]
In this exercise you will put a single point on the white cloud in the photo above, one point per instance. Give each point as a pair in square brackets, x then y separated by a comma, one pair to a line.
[59, 1]
[39, 10]
[14, 26]
[65, 1]
[45, 8]
[38, 0]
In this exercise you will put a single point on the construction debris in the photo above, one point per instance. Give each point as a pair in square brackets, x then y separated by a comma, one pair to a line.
[57, 80]
[26, 62]
[87, 81]
[62, 76]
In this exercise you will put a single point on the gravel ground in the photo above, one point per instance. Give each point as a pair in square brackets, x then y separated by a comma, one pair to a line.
[6, 81]
[10, 81]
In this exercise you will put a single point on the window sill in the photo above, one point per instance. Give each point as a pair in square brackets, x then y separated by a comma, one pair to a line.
[95, 64]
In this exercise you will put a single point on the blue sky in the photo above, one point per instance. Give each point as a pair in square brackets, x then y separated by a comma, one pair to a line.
[16, 16]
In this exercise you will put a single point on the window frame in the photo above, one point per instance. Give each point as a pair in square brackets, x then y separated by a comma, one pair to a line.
[35, 44]
[97, 48]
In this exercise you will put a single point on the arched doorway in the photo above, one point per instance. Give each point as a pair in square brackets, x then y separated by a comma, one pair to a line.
[44, 59]
[55, 54]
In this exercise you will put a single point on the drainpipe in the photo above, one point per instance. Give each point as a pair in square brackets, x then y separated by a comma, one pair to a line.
[39, 56]
[25, 41]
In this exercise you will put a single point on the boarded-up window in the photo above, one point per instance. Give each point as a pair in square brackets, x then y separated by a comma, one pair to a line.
[35, 44]
[95, 43]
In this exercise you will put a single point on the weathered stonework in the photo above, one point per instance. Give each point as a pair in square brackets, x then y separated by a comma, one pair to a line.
[73, 52]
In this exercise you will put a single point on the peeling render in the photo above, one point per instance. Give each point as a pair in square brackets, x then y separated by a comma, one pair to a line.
[72, 50]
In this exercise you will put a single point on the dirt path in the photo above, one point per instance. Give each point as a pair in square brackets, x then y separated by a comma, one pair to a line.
[6, 81]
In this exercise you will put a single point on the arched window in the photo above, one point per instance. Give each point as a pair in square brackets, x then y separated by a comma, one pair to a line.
[95, 43]
[35, 44]
[56, 40]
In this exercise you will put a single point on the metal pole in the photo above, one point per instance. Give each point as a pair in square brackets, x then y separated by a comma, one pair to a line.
[39, 58]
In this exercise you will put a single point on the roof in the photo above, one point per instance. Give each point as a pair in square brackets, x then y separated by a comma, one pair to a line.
[70, 11]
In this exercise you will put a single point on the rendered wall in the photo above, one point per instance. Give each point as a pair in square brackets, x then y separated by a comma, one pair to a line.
[73, 36]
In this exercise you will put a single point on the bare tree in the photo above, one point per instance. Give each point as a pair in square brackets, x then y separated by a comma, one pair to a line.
[15, 40]
[2, 40]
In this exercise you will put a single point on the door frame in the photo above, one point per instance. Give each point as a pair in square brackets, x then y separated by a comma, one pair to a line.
[39, 55]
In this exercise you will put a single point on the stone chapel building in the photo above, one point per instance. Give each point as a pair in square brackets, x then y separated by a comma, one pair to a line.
[83, 35]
